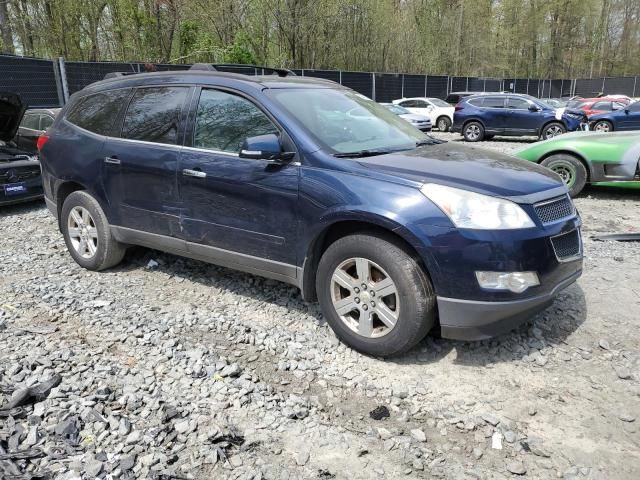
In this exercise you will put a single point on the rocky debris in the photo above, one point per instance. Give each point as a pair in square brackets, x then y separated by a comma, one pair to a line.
[185, 370]
[516, 467]
[379, 412]
[418, 435]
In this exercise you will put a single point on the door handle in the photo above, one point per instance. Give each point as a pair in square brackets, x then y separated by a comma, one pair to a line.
[194, 173]
[112, 160]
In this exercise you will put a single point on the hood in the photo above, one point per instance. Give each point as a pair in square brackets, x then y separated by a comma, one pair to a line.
[11, 112]
[414, 116]
[471, 168]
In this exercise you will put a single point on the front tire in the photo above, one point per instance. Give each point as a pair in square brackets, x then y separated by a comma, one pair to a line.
[603, 126]
[443, 123]
[553, 129]
[374, 295]
[570, 169]
[87, 234]
[473, 132]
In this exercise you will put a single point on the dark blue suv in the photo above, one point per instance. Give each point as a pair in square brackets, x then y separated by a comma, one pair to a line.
[480, 117]
[305, 181]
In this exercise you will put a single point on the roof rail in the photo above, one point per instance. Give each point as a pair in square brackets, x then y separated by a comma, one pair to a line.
[115, 75]
[215, 67]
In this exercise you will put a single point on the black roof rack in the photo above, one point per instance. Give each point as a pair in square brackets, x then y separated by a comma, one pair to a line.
[216, 67]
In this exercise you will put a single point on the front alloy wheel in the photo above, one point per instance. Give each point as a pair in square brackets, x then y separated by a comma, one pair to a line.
[365, 297]
[374, 294]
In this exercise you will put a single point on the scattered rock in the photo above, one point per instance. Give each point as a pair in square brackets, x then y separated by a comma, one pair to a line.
[516, 467]
[418, 435]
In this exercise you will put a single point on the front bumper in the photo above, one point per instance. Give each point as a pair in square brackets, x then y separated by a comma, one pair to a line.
[478, 320]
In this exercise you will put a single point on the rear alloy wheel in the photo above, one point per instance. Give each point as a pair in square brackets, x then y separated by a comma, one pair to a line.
[603, 126]
[87, 233]
[473, 132]
[443, 124]
[374, 295]
[570, 169]
[553, 130]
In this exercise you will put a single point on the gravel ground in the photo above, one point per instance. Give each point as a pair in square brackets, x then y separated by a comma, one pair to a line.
[171, 368]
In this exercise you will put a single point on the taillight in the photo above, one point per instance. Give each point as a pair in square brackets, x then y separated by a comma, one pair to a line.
[42, 140]
[459, 107]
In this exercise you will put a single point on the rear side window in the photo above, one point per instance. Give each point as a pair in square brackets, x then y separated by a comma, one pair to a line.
[45, 122]
[517, 103]
[493, 102]
[154, 114]
[408, 103]
[602, 106]
[30, 121]
[224, 120]
[476, 102]
[99, 113]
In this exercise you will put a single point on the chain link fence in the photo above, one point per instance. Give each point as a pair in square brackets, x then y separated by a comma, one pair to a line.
[49, 83]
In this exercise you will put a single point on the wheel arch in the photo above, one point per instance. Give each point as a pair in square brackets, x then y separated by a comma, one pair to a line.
[63, 191]
[473, 119]
[341, 227]
[572, 153]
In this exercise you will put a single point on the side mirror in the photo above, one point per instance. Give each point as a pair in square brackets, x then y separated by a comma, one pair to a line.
[533, 108]
[265, 147]
[626, 110]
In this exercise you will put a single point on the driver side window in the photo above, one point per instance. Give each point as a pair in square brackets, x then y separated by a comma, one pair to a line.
[224, 120]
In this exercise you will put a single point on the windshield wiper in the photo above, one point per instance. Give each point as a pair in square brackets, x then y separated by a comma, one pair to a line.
[363, 153]
[431, 141]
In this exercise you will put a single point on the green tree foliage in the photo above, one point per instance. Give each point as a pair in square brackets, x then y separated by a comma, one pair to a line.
[519, 38]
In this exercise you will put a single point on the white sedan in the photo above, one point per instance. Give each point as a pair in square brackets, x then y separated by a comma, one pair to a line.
[439, 111]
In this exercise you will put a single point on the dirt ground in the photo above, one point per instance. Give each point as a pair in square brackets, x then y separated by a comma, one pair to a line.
[230, 352]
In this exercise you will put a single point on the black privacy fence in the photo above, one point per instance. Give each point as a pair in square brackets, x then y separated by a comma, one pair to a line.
[49, 83]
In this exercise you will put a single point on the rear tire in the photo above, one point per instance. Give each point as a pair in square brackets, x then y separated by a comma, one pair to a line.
[570, 169]
[396, 289]
[443, 123]
[603, 126]
[553, 129]
[473, 132]
[87, 233]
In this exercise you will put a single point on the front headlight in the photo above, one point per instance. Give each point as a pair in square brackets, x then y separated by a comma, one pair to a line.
[476, 211]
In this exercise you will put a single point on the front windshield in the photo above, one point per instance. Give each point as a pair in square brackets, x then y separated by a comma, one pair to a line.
[344, 121]
[438, 102]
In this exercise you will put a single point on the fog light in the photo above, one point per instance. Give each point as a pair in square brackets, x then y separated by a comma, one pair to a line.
[516, 282]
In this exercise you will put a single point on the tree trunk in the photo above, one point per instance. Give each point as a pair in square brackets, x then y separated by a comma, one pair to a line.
[6, 32]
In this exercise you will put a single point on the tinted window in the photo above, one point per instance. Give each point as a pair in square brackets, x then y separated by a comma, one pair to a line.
[154, 114]
[45, 122]
[438, 103]
[493, 102]
[224, 120]
[30, 121]
[602, 106]
[634, 107]
[98, 113]
[517, 103]
[476, 102]
[408, 103]
[421, 104]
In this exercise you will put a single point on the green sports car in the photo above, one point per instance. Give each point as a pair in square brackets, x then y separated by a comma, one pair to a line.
[598, 158]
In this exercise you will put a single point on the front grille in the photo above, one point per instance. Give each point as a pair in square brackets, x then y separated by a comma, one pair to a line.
[554, 210]
[567, 246]
[18, 174]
